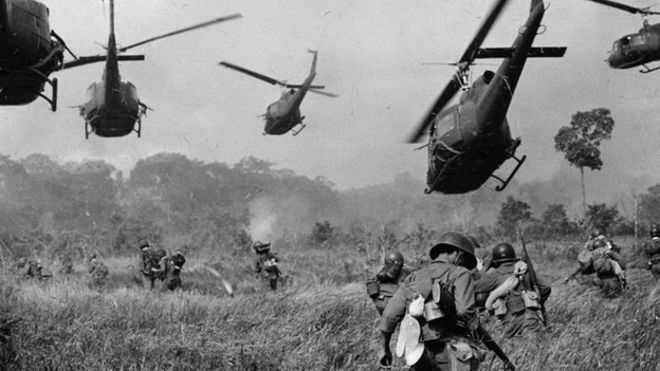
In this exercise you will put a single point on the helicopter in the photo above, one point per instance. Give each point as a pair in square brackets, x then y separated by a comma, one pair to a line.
[636, 49]
[29, 52]
[284, 114]
[471, 139]
[114, 109]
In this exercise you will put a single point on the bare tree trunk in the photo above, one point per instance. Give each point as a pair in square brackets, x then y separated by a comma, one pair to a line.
[584, 194]
[636, 218]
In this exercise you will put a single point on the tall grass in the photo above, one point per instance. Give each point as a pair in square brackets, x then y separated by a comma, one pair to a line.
[321, 320]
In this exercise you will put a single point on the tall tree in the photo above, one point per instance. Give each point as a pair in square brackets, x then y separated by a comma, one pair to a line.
[602, 217]
[580, 141]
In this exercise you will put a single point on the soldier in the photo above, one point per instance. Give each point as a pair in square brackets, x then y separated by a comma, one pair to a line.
[609, 267]
[595, 236]
[511, 294]
[266, 264]
[146, 256]
[170, 270]
[652, 250]
[36, 270]
[149, 259]
[98, 271]
[157, 266]
[381, 288]
[435, 304]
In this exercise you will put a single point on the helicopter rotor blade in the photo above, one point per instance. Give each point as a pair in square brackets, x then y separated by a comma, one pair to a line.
[624, 7]
[83, 60]
[195, 27]
[257, 75]
[463, 64]
[478, 39]
[298, 86]
[327, 94]
[450, 90]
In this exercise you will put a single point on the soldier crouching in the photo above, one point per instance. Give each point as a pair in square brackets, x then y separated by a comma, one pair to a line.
[381, 288]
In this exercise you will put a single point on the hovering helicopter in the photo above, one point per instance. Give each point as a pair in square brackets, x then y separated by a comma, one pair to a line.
[470, 140]
[636, 49]
[29, 52]
[113, 109]
[284, 115]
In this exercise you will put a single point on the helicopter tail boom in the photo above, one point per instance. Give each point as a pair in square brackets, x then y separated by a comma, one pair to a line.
[535, 52]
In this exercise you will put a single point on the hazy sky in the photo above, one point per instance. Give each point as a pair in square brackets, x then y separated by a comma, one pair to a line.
[370, 52]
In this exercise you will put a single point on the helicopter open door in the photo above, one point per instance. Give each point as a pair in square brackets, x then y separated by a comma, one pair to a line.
[510, 153]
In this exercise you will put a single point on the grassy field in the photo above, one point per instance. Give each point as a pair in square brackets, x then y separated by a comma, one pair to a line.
[321, 319]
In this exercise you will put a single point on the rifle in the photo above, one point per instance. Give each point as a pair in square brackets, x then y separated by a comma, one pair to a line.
[488, 341]
[577, 271]
[532, 276]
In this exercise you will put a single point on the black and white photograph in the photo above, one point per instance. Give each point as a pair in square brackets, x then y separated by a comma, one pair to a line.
[276, 185]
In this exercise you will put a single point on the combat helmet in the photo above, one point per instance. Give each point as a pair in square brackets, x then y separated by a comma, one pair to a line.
[655, 231]
[144, 244]
[456, 241]
[503, 253]
[599, 243]
[391, 268]
[260, 247]
[394, 257]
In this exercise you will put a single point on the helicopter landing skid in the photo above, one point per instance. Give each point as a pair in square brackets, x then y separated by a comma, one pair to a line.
[53, 99]
[139, 127]
[505, 183]
[648, 70]
[296, 132]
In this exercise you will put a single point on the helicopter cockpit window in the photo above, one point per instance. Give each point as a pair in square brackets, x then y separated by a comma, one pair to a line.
[638, 39]
[446, 127]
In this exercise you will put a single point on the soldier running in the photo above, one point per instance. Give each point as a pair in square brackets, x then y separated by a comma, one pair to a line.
[149, 266]
[98, 271]
[170, 270]
[436, 304]
[510, 293]
[266, 264]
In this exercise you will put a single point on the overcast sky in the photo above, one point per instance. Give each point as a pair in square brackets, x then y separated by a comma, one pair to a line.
[370, 52]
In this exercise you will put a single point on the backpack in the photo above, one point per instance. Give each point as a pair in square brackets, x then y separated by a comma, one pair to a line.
[270, 265]
[440, 303]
